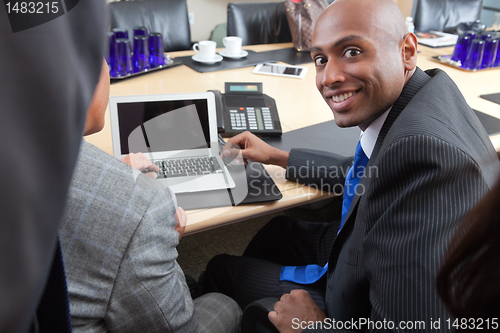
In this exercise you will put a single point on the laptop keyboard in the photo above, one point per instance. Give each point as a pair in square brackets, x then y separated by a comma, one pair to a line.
[194, 166]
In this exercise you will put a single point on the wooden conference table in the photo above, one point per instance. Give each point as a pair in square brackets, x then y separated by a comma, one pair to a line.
[299, 105]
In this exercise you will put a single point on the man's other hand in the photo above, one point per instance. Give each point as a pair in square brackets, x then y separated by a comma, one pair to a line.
[256, 150]
[181, 217]
[140, 162]
[294, 309]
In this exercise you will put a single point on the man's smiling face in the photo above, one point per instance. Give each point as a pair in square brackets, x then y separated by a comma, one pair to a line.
[358, 51]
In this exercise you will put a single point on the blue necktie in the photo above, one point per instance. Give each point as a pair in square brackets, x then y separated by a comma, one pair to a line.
[311, 273]
[352, 180]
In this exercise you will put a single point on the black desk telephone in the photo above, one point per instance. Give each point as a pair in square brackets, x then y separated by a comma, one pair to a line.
[244, 107]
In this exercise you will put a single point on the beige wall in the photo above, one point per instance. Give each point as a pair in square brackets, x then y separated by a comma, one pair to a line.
[405, 6]
[209, 13]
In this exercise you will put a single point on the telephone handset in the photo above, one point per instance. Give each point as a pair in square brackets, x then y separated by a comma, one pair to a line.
[219, 108]
[244, 107]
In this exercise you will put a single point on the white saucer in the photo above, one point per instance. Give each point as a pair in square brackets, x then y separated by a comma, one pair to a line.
[242, 54]
[215, 59]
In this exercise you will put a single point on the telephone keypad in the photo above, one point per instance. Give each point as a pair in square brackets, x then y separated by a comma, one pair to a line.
[238, 118]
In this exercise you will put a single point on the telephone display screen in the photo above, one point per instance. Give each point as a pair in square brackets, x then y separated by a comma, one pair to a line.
[243, 88]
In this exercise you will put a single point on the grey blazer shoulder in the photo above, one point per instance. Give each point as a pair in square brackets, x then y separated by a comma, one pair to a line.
[118, 242]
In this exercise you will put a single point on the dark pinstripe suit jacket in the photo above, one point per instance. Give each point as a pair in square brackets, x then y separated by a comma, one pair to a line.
[432, 162]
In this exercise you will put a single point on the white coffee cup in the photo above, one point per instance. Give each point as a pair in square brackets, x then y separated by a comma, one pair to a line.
[205, 49]
[233, 45]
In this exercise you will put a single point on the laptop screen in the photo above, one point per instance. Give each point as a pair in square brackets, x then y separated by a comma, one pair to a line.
[162, 128]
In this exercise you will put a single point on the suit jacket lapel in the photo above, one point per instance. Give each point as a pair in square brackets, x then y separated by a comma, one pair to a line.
[416, 82]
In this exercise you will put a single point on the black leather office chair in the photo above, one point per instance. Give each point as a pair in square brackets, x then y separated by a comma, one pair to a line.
[440, 14]
[258, 22]
[168, 17]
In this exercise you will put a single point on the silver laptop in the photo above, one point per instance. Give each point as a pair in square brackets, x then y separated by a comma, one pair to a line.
[178, 132]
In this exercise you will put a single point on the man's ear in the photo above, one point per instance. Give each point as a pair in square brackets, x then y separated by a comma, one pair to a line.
[410, 51]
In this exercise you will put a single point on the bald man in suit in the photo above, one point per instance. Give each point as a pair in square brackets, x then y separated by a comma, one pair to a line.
[429, 161]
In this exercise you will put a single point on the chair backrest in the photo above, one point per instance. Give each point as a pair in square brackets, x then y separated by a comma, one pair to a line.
[258, 22]
[440, 14]
[168, 17]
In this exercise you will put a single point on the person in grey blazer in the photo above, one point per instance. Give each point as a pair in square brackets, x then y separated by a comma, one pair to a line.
[119, 236]
[430, 162]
